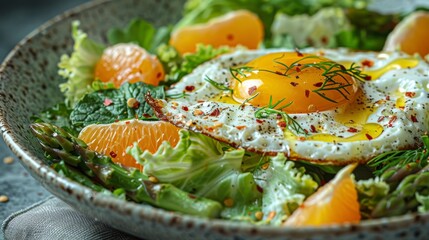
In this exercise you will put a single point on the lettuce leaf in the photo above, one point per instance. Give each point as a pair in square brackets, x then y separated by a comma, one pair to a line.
[78, 68]
[108, 106]
[141, 33]
[424, 203]
[202, 166]
[285, 187]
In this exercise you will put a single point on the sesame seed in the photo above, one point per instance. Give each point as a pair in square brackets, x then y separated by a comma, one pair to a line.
[153, 179]
[8, 160]
[131, 102]
[3, 198]
[259, 215]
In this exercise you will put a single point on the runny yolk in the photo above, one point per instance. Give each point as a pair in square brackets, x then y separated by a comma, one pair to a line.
[409, 62]
[310, 83]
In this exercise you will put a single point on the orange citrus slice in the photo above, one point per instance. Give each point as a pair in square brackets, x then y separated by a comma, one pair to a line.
[235, 28]
[127, 62]
[410, 35]
[335, 202]
[113, 139]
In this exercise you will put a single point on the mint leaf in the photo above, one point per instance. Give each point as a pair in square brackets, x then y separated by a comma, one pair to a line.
[108, 106]
[142, 33]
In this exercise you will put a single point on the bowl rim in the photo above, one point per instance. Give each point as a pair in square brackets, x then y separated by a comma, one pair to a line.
[148, 212]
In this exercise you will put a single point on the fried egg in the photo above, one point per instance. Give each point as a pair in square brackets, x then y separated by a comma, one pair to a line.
[326, 106]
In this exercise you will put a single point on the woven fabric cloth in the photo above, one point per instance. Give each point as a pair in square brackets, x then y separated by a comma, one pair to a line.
[53, 219]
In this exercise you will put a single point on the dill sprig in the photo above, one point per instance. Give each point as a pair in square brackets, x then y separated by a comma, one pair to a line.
[240, 71]
[273, 109]
[218, 85]
[401, 158]
[177, 95]
[249, 99]
[330, 70]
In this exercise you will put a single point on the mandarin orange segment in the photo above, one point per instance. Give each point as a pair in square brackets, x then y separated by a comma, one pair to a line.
[114, 139]
[334, 203]
[127, 62]
[236, 28]
[410, 35]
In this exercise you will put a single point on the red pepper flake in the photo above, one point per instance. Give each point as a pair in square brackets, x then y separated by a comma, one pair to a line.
[113, 154]
[240, 127]
[107, 102]
[387, 98]
[414, 118]
[279, 73]
[367, 63]
[251, 90]
[294, 84]
[259, 188]
[158, 75]
[319, 84]
[307, 93]
[215, 113]
[392, 120]
[381, 118]
[352, 130]
[136, 105]
[313, 129]
[298, 69]
[259, 121]
[298, 53]
[281, 124]
[410, 94]
[127, 122]
[367, 77]
[230, 37]
[192, 196]
[190, 88]
[324, 40]
[146, 115]
[306, 131]
[368, 136]
[185, 108]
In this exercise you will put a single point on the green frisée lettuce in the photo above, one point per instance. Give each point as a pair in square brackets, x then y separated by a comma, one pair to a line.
[205, 167]
[78, 68]
[178, 66]
[370, 192]
[285, 188]
[424, 203]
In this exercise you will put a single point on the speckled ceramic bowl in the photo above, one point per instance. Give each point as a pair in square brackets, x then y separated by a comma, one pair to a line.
[28, 84]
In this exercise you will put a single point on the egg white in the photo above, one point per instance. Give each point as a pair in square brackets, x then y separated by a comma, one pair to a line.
[237, 125]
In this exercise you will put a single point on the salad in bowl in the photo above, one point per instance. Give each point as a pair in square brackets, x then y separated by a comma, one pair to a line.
[270, 116]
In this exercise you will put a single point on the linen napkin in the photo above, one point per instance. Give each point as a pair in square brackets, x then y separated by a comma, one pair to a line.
[53, 219]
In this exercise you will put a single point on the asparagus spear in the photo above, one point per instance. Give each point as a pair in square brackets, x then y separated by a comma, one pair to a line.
[59, 144]
[403, 198]
[77, 176]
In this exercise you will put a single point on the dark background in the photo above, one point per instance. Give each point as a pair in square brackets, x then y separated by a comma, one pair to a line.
[17, 19]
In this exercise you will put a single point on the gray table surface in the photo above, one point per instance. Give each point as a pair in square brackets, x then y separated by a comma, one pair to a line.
[17, 19]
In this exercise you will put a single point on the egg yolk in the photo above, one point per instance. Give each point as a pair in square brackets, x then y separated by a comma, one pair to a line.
[309, 83]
